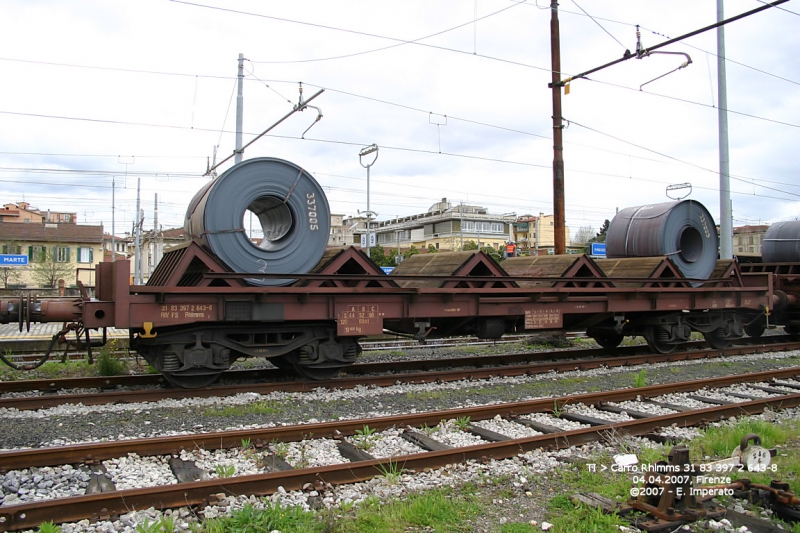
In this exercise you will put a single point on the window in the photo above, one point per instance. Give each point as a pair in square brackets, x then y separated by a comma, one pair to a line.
[11, 249]
[85, 255]
[37, 254]
[61, 254]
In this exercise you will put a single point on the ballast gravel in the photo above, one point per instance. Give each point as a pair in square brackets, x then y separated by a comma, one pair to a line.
[73, 424]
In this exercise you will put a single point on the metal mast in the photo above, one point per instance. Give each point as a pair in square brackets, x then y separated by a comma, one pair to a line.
[239, 111]
[725, 208]
[137, 230]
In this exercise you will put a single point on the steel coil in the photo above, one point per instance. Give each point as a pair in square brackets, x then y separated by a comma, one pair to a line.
[288, 202]
[684, 231]
[782, 243]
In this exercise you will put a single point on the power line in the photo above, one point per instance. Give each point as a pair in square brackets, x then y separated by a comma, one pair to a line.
[687, 101]
[364, 34]
[55, 154]
[600, 25]
[738, 178]
[115, 69]
[777, 7]
[412, 41]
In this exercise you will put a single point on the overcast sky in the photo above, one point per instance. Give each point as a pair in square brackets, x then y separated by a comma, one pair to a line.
[96, 91]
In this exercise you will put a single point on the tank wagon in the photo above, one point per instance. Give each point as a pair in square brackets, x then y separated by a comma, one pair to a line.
[219, 297]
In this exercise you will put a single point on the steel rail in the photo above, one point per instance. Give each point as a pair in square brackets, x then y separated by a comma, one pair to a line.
[112, 504]
[79, 453]
[391, 378]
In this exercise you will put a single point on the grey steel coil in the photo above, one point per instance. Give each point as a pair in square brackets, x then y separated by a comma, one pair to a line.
[683, 231]
[290, 205]
[782, 243]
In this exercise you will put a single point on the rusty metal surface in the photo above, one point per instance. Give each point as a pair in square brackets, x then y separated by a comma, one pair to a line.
[557, 267]
[430, 266]
[108, 505]
[637, 267]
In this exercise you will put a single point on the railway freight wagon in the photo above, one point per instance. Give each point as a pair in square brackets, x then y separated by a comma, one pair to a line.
[220, 297]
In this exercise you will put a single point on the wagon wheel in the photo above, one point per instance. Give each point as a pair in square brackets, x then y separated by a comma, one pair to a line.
[755, 331]
[608, 339]
[191, 381]
[715, 339]
[654, 337]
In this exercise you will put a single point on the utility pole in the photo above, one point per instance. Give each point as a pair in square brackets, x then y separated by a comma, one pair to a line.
[558, 129]
[239, 111]
[725, 209]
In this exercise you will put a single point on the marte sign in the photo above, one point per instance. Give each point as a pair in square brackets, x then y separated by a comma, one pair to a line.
[13, 260]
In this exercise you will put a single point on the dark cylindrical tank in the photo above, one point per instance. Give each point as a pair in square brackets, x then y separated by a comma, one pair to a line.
[782, 243]
[683, 231]
[285, 199]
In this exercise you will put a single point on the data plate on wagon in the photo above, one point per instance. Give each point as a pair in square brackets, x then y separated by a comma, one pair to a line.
[356, 320]
[543, 318]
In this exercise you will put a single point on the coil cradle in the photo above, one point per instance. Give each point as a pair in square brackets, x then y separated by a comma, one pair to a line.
[290, 205]
[684, 232]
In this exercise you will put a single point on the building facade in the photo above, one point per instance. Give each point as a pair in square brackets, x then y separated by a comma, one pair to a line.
[444, 226]
[747, 240]
[535, 235]
[23, 213]
[67, 252]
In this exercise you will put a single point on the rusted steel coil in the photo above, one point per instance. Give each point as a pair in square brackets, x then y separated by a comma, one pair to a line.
[287, 201]
[684, 231]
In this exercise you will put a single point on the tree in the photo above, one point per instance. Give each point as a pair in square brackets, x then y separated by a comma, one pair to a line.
[51, 266]
[9, 275]
[601, 235]
[378, 255]
[432, 249]
[583, 235]
[470, 245]
[392, 259]
[411, 251]
[491, 252]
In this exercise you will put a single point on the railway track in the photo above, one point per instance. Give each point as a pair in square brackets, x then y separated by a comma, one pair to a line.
[29, 348]
[498, 431]
[107, 390]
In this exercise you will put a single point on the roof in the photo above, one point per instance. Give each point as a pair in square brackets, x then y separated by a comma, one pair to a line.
[750, 229]
[174, 233]
[66, 233]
